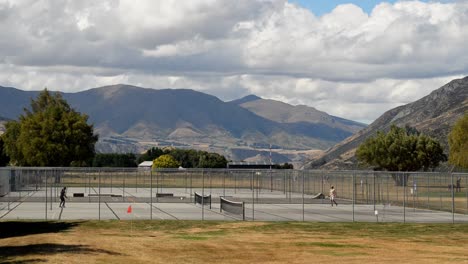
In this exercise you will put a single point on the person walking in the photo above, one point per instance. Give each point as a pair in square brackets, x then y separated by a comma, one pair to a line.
[63, 195]
[333, 196]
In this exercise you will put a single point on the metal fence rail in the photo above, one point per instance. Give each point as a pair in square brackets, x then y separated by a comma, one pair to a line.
[285, 194]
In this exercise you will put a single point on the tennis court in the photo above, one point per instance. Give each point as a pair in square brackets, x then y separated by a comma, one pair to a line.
[231, 195]
[186, 206]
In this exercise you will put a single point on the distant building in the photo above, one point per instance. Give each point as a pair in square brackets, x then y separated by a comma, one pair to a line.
[250, 165]
[145, 165]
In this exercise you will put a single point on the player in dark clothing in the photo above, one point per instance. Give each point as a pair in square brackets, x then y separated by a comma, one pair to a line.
[63, 195]
[458, 186]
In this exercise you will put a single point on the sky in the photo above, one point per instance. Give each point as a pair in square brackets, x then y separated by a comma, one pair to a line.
[352, 59]
[321, 7]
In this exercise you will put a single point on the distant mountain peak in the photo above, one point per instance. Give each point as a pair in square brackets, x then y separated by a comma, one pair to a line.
[246, 99]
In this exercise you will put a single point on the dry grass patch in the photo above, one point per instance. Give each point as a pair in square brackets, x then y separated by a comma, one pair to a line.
[232, 242]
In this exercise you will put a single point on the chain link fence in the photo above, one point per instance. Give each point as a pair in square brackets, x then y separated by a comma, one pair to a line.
[284, 195]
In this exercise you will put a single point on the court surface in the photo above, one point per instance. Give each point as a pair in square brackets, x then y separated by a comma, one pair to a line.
[178, 204]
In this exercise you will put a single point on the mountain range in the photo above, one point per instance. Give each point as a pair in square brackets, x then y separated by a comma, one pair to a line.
[132, 119]
[433, 115]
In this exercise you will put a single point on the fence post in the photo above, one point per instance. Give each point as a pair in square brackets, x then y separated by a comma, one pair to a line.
[151, 194]
[51, 193]
[235, 182]
[453, 198]
[99, 196]
[191, 176]
[203, 195]
[46, 195]
[271, 179]
[284, 183]
[373, 189]
[89, 185]
[303, 207]
[253, 201]
[290, 185]
[427, 188]
[404, 198]
[354, 190]
[414, 188]
[466, 194]
[157, 185]
[440, 195]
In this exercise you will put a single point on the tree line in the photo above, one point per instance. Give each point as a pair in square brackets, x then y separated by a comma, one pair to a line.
[186, 158]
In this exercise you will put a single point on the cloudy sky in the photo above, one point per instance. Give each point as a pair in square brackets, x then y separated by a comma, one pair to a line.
[354, 59]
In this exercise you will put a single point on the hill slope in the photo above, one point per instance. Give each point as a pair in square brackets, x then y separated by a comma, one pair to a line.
[285, 113]
[433, 115]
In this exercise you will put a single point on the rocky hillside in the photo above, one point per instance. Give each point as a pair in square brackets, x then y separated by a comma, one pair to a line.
[433, 115]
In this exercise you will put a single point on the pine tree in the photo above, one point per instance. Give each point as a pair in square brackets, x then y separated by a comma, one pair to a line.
[51, 133]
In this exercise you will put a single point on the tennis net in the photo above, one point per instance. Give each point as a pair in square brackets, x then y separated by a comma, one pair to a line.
[203, 199]
[232, 207]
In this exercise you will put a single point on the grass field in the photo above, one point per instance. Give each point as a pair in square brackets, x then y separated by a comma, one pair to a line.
[230, 242]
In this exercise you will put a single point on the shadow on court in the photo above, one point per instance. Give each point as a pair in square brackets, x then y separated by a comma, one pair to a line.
[16, 229]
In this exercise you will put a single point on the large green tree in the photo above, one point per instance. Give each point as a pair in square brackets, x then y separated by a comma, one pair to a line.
[50, 133]
[401, 150]
[458, 142]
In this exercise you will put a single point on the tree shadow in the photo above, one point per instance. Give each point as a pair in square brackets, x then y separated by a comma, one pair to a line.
[7, 252]
[18, 228]
[23, 261]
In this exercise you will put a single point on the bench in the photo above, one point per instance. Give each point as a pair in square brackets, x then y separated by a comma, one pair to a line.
[164, 195]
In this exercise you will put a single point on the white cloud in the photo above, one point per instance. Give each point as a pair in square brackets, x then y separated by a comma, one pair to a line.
[347, 63]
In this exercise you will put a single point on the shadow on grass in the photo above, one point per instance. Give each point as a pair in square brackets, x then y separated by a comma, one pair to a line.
[7, 252]
[22, 261]
[16, 229]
